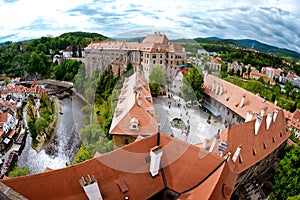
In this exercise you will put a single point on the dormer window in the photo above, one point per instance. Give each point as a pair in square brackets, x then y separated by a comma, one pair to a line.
[134, 124]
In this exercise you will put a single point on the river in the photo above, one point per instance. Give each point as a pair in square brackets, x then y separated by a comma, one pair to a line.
[66, 143]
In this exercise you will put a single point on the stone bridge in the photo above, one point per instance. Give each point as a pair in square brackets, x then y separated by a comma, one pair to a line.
[67, 85]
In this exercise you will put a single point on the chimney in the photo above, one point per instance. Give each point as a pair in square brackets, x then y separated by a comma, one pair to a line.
[257, 123]
[275, 115]
[262, 113]
[155, 154]
[249, 116]
[217, 88]
[90, 187]
[236, 154]
[222, 148]
[242, 100]
[213, 86]
[214, 142]
[138, 99]
[221, 89]
[269, 120]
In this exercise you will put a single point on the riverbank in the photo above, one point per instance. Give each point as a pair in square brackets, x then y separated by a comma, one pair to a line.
[64, 144]
[43, 141]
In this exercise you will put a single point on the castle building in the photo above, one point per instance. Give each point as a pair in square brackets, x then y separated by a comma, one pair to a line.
[236, 105]
[155, 49]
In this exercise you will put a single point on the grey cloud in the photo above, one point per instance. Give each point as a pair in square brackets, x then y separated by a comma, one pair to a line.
[270, 25]
[85, 10]
[8, 37]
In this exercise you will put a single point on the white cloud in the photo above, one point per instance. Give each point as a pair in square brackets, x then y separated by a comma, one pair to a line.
[229, 19]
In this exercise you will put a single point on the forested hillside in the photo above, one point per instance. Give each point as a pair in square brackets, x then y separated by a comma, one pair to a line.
[33, 59]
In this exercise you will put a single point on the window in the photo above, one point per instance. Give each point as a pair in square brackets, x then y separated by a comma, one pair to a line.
[265, 146]
[126, 141]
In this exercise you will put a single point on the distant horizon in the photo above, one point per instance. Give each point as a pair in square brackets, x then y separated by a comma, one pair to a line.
[137, 36]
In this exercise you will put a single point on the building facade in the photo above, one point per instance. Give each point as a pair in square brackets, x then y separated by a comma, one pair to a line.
[155, 49]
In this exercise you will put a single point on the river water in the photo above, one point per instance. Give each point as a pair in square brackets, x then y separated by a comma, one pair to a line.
[66, 143]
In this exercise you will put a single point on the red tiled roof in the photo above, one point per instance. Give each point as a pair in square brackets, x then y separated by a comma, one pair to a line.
[294, 118]
[258, 74]
[136, 105]
[156, 38]
[152, 43]
[254, 147]
[3, 117]
[232, 95]
[11, 133]
[182, 164]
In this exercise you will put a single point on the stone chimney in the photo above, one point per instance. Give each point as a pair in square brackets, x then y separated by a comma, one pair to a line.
[262, 113]
[257, 123]
[269, 120]
[138, 99]
[217, 88]
[242, 100]
[90, 187]
[236, 154]
[221, 89]
[155, 154]
[275, 115]
[249, 116]
[213, 86]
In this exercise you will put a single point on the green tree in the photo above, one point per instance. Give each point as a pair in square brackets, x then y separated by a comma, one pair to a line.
[288, 88]
[80, 78]
[30, 112]
[42, 48]
[273, 97]
[156, 80]
[82, 155]
[94, 138]
[286, 178]
[6, 80]
[277, 89]
[294, 198]
[19, 171]
[192, 84]
[41, 125]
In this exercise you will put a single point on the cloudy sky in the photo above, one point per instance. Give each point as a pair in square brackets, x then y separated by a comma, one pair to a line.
[275, 22]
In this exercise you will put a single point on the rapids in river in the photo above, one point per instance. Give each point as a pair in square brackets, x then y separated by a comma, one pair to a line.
[65, 144]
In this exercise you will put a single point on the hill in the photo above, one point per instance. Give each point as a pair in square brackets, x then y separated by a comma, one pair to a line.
[253, 44]
[267, 48]
[84, 35]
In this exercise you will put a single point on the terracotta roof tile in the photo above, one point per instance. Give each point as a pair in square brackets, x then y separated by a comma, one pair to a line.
[122, 173]
[254, 147]
[135, 102]
[232, 95]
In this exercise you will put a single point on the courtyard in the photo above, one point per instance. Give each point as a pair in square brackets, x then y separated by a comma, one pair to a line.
[194, 127]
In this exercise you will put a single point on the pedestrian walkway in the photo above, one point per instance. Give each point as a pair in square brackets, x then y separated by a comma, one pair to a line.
[196, 130]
